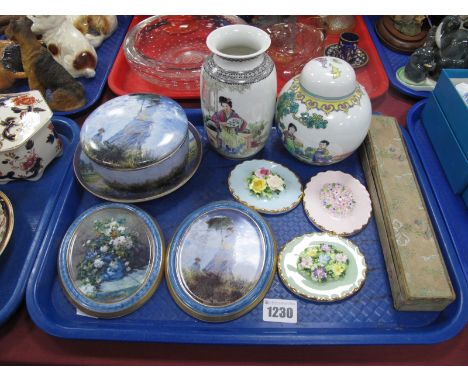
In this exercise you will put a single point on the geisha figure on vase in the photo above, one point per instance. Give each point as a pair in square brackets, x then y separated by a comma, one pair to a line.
[227, 125]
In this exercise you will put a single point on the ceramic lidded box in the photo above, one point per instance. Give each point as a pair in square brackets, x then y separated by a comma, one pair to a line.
[28, 142]
[323, 114]
[136, 141]
[110, 261]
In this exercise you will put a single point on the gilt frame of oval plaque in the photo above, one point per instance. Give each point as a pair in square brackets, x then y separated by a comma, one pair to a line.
[229, 246]
[111, 260]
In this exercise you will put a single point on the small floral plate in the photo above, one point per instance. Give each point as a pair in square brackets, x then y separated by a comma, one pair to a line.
[322, 267]
[111, 260]
[6, 221]
[94, 183]
[338, 203]
[265, 186]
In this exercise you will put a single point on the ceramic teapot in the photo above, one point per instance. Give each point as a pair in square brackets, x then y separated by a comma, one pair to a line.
[323, 114]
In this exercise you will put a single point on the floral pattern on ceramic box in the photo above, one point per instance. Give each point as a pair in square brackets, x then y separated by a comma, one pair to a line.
[28, 141]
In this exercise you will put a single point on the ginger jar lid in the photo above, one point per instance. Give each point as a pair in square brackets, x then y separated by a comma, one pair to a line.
[21, 116]
[328, 77]
[134, 131]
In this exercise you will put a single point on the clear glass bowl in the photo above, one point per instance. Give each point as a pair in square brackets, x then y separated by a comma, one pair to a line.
[170, 50]
[292, 46]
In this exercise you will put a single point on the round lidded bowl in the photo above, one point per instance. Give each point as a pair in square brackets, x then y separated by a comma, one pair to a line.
[323, 113]
[136, 141]
[170, 50]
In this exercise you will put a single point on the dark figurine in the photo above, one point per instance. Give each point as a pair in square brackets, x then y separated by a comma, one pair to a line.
[431, 37]
[448, 25]
[421, 64]
[11, 67]
[445, 47]
[43, 71]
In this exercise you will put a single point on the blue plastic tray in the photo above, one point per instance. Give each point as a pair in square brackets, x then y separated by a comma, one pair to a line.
[391, 60]
[366, 318]
[93, 86]
[33, 204]
[451, 205]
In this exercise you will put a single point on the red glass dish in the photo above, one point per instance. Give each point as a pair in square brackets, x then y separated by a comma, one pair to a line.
[122, 80]
[170, 50]
[292, 46]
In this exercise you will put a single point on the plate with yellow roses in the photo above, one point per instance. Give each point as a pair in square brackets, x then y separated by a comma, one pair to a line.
[322, 267]
[265, 186]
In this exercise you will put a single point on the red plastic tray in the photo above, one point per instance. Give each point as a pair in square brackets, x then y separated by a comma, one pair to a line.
[372, 76]
[122, 80]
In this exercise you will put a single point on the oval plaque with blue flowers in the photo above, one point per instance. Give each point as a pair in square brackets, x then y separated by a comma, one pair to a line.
[110, 260]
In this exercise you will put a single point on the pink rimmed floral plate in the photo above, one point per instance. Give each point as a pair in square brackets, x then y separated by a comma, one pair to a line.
[338, 203]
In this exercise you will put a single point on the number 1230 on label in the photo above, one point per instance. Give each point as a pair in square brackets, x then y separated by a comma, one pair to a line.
[280, 311]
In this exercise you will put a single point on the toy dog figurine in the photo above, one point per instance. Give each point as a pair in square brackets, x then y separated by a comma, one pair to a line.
[11, 67]
[66, 43]
[43, 71]
[95, 28]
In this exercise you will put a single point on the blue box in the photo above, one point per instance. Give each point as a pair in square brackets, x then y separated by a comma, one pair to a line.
[465, 197]
[453, 159]
[452, 104]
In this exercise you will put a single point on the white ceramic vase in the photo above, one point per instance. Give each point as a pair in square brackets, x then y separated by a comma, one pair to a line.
[323, 114]
[238, 90]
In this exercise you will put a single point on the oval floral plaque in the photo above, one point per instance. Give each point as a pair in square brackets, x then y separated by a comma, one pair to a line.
[110, 260]
[221, 261]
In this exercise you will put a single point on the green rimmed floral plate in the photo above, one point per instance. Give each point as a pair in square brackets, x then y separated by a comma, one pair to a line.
[322, 267]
